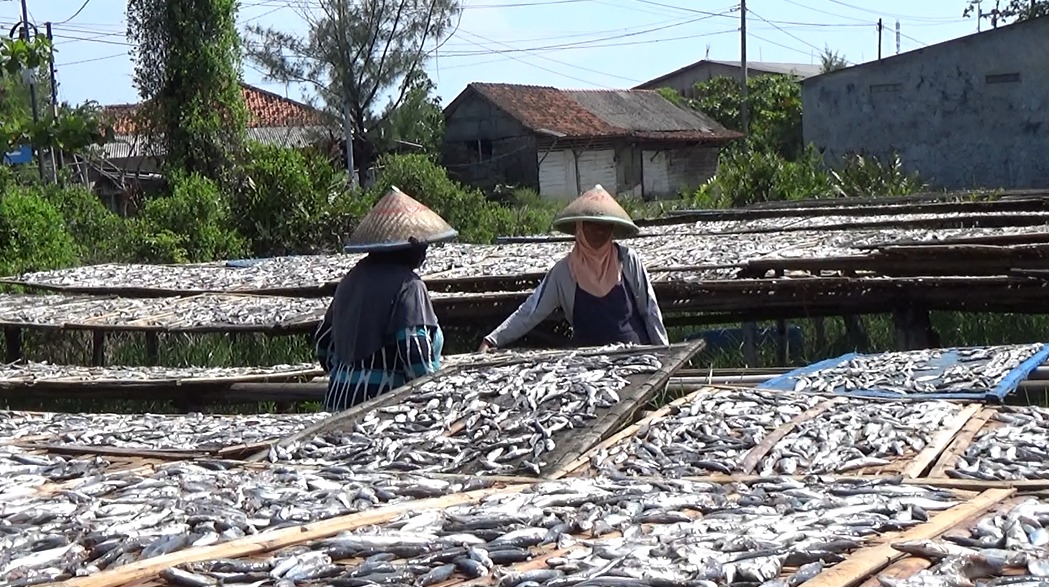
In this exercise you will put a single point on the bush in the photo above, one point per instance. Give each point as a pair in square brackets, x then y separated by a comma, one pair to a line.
[466, 209]
[33, 235]
[295, 203]
[193, 224]
[94, 227]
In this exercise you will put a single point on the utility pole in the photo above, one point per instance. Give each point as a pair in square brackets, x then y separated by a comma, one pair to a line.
[32, 88]
[58, 162]
[880, 27]
[897, 36]
[347, 118]
[743, 110]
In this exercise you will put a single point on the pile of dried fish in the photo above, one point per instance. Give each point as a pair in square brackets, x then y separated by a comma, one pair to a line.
[603, 532]
[1015, 446]
[720, 432]
[857, 434]
[23, 473]
[710, 434]
[31, 373]
[153, 431]
[173, 313]
[953, 370]
[800, 222]
[1010, 547]
[113, 519]
[722, 253]
[500, 420]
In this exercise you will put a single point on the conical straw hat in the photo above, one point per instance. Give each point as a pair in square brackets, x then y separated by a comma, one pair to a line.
[395, 222]
[596, 205]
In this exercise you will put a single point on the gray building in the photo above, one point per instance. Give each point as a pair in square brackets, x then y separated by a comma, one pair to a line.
[684, 80]
[560, 142]
[972, 112]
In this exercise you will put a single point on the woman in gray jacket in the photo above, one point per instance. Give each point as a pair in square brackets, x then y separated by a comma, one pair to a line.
[601, 285]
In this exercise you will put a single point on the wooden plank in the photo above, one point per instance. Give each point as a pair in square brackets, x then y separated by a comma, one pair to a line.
[624, 412]
[1025, 485]
[755, 454]
[863, 563]
[76, 449]
[940, 441]
[584, 459]
[276, 539]
[962, 441]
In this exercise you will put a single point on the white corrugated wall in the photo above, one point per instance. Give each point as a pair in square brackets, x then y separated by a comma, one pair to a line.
[654, 172]
[556, 174]
[597, 167]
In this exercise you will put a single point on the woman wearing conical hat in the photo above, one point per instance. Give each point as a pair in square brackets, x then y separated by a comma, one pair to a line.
[380, 330]
[601, 285]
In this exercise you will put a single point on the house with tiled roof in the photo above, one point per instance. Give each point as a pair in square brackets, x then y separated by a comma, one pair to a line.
[684, 80]
[561, 142]
[272, 119]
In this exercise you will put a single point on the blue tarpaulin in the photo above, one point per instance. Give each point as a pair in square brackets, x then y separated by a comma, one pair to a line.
[243, 263]
[937, 366]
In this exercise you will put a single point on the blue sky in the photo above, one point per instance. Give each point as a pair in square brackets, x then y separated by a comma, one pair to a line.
[563, 43]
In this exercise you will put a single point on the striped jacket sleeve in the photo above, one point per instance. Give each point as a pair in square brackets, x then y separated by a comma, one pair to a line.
[418, 352]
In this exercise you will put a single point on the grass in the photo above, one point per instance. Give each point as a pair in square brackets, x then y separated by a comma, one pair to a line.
[215, 350]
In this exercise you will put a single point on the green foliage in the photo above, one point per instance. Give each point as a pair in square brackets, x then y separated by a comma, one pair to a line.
[865, 177]
[748, 177]
[294, 204]
[417, 118]
[95, 230]
[774, 106]
[671, 95]
[33, 236]
[187, 70]
[1008, 10]
[193, 224]
[831, 61]
[70, 129]
[466, 209]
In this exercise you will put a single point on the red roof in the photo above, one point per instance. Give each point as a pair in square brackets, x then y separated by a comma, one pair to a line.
[598, 113]
[265, 109]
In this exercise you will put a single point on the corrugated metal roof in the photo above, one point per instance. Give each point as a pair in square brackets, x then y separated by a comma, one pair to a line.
[599, 113]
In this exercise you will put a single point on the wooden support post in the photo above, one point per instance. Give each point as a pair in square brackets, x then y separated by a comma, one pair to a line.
[782, 344]
[98, 348]
[12, 344]
[152, 348]
[855, 332]
[913, 328]
[750, 344]
[821, 334]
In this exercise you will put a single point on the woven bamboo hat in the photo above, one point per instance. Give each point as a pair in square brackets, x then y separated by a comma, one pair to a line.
[397, 222]
[596, 205]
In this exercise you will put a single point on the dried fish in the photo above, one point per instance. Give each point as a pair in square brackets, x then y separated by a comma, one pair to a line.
[1008, 547]
[33, 373]
[855, 435]
[1013, 447]
[622, 533]
[500, 420]
[153, 431]
[710, 434]
[24, 472]
[952, 370]
[104, 521]
[714, 432]
[686, 245]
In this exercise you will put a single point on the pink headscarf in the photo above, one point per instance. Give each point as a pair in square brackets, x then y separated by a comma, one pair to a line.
[598, 270]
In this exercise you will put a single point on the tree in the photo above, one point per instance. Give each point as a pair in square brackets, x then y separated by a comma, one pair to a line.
[355, 52]
[68, 128]
[774, 103]
[418, 119]
[831, 61]
[1014, 10]
[187, 70]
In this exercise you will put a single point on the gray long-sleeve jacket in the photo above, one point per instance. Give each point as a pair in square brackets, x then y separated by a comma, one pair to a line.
[557, 290]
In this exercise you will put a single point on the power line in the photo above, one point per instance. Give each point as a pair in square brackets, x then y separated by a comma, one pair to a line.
[77, 13]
